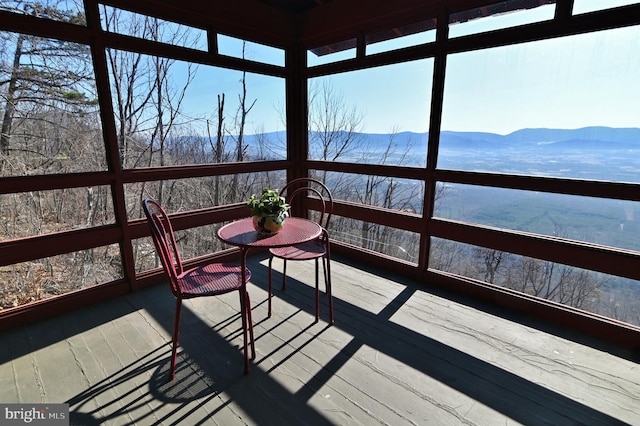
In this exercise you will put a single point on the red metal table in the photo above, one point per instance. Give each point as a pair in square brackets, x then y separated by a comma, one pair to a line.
[242, 234]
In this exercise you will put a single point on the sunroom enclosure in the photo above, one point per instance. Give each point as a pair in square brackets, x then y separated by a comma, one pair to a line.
[105, 103]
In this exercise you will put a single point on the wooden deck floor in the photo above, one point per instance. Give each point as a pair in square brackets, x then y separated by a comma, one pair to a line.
[399, 354]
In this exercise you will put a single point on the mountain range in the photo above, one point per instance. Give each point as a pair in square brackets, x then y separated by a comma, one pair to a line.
[593, 136]
[583, 138]
[586, 139]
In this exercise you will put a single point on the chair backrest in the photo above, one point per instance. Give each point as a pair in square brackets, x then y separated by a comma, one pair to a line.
[165, 241]
[310, 186]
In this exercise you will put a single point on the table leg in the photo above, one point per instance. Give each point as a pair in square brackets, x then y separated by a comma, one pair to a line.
[244, 300]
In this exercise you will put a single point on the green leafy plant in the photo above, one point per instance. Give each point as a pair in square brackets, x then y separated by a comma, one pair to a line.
[270, 203]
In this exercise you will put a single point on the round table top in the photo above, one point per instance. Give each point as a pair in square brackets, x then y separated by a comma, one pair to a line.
[296, 230]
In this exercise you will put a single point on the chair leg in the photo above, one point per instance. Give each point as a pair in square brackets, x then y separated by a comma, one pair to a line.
[284, 273]
[270, 286]
[250, 326]
[176, 332]
[317, 292]
[326, 265]
[244, 315]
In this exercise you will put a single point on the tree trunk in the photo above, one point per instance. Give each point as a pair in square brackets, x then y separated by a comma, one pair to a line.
[219, 148]
[10, 104]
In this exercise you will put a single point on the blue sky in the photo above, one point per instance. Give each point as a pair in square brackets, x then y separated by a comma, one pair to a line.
[571, 82]
[585, 80]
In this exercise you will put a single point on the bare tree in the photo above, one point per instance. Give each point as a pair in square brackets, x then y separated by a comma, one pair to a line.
[218, 148]
[147, 102]
[166, 102]
[148, 95]
[559, 283]
[333, 125]
[244, 107]
[551, 281]
[40, 75]
[389, 193]
[489, 262]
[446, 255]
[335, 135]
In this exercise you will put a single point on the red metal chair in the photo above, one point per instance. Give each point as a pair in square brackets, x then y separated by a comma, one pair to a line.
[208, 280]
[316, 249]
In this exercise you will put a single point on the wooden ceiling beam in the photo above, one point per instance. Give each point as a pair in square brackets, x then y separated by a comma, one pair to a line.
[247, 19]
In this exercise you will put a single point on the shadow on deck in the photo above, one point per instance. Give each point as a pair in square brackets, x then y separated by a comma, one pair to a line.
[399, 353]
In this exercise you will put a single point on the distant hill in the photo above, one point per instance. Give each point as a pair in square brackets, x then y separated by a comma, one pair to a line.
[586, 138]
[472, 140]
[585, 134]
[590, 145]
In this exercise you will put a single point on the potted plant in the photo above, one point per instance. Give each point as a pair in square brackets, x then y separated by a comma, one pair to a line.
[268, 211]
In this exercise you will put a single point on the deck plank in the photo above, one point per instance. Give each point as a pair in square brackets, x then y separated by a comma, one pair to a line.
[400, 353]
